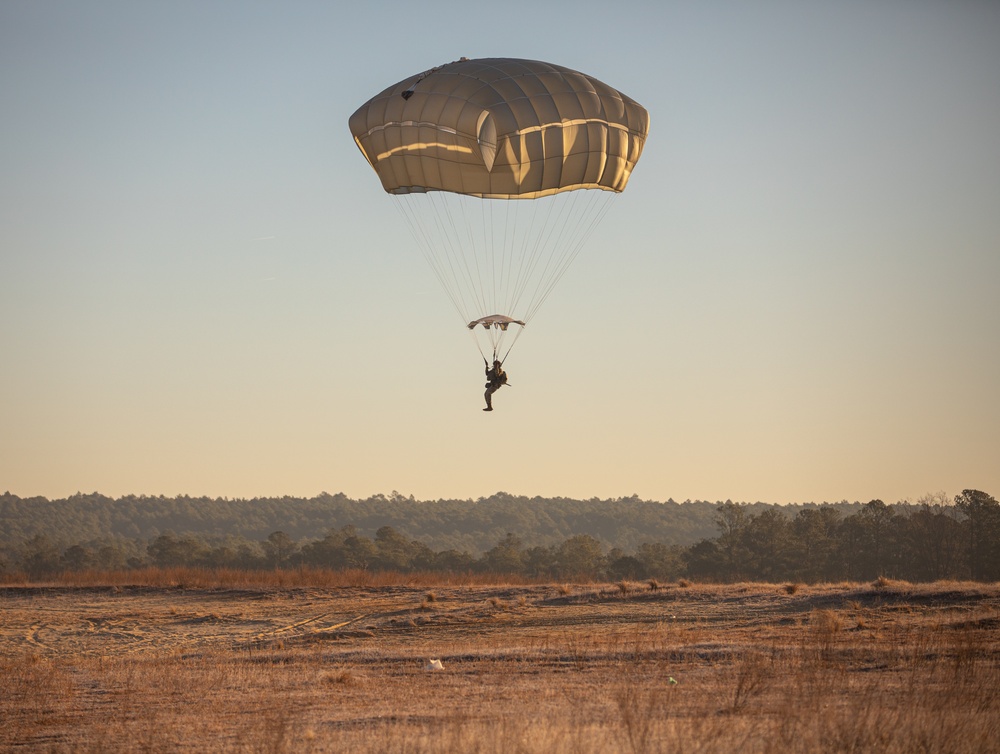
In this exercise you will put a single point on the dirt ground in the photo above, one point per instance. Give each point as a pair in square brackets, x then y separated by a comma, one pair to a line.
[623, 667]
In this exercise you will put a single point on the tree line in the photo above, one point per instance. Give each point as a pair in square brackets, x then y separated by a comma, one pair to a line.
[934, 540]
[470, 525]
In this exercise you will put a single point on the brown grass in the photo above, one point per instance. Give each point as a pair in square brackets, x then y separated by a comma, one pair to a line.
[527, 668]
[217, 578]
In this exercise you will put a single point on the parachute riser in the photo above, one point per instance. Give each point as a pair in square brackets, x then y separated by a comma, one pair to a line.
[497, 332]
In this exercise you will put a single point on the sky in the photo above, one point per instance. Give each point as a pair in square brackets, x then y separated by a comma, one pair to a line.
[205, 291]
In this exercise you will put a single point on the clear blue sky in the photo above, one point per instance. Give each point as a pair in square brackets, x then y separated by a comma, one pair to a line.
[204, 290]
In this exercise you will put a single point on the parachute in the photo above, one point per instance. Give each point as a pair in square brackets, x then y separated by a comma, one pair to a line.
[502, 168]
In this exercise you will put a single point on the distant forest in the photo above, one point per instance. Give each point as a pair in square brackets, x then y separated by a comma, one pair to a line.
[622, 538]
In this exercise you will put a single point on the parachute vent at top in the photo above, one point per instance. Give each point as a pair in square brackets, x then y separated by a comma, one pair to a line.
[501, 128]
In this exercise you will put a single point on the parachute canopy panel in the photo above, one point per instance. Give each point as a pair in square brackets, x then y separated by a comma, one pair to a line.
[501, 128]
[498, 321]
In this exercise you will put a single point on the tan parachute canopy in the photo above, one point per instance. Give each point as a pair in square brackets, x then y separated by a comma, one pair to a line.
[495, 320]
[501, 128]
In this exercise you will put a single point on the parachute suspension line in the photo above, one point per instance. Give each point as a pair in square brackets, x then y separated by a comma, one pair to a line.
[424, 235]
[513, 209]
[507, 255]
[478, 286]
[511, 346]
[531, 247]
[578, 223]
[548, 243]
[556, 230]
[588, 212]
[504, 256]
[472, 334]
[499, 214]
[489, 254]
[592, 211]
[496, 337]
[446, 210]
[513, 240]
[532, 242]
[425, 242]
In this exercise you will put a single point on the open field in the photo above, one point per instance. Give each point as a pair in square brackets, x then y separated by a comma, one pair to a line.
[888, 667]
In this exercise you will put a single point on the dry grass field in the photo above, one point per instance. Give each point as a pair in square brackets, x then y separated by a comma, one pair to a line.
[629, 667]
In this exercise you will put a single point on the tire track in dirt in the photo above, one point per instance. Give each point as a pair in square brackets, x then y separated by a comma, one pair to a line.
[32, 636]
[299, 631]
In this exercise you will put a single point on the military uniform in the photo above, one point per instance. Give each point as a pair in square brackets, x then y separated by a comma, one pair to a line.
[495, 378]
